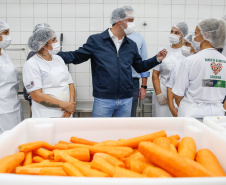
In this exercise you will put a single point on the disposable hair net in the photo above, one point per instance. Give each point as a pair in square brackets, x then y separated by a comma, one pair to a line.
[214, 31]
[39, 38]
[3, 26]
[224, 17]
[183, 27]
[41, 25]
[188, 38]
[122, 13]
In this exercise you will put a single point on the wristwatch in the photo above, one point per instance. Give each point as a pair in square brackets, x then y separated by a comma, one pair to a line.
[144, 86]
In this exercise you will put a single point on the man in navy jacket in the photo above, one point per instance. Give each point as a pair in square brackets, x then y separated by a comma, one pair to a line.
[112, 54]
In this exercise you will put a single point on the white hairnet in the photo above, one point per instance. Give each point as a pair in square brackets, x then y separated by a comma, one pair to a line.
[183, 27]
[214, 31]
[3, 26]
[39, 38]
[224, 17]
[122, 13]
[188, 38]
[41, 25]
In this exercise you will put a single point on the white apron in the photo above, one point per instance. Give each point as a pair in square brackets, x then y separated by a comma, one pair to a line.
[190, 108]
[163, 110]
[10, 108]
[55, 85]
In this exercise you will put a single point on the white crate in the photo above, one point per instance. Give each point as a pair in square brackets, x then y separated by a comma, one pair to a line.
[218, 123]
[96, 129]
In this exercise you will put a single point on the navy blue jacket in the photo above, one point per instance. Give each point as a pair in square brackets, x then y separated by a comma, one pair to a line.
[111, 70]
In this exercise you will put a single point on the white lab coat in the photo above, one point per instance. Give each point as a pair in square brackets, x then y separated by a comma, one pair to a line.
[50, 76]
[202, 82]
[174, 57]
[10, 108]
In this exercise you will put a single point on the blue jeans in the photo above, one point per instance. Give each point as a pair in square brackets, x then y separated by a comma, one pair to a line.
[135, 96]
[112, 107]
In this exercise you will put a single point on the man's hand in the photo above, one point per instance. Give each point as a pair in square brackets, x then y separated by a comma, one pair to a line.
[66, 114]
[161, 99]
[161, 55]
[174, 111]
[142, 93]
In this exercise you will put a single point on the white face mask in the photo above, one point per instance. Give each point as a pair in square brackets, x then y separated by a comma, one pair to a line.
[196, 45]
[56, 48]
[174, 39]
[186, 51]
[130, 28]
[6, 40]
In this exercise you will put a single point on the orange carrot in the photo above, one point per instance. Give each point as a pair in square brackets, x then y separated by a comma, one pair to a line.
[121, 172]
[37, 159]
[135, 157]
[172, 148]
[83, 167]
[28, 171]
[79, 153]
[71, 170]
[57, 171]
[61, 146]
[10, 162]
[187, 148]
[82, 141]
[207, 159]
[152, 171]
[28, 158]
[45, 163]
[163, 142]
[112, 160]
[35, 145]
[134, 142]
[174, 141]
[173, 163]
[46, 154]
[139, 165]
[64, 142]
[177, 137]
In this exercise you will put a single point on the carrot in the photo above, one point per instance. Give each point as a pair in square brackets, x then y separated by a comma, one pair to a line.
[102, 165]
[173, 148]
[71, 170]
[53, 172]
[10, 162]
[28, 159]
[79, 153]
[163, 142]
[37, 159]
[139, 165]
[177, 137]
[187, 148]
[61, 146]
[82, 141]
[121, 172]
[152, 171]
[207, 159]
[64, 142]
[46, 154]
[134, 142]
[28, 171]
[173, 163]
[112, 160]
[83, 167]
[45, 163]
[35, 145]
[174, 142]
[118, 152]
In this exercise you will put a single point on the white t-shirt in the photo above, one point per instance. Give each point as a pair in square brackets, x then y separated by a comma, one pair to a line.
[36, 70]
[203, 76]
[173, 57]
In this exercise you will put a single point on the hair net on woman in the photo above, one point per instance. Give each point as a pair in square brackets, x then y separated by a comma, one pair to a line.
[188, 38]
[3, 26]
[41, 25]
[122, 13]
[214, 31]
[183, 27]
[39, 38]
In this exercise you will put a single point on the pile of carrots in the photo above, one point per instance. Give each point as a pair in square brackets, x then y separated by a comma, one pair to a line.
[151, 155]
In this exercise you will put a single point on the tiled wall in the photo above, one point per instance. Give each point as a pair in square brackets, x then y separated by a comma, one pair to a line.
[77, 19]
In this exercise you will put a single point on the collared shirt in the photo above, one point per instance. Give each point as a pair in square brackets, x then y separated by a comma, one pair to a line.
[115, 39]
[142, 49]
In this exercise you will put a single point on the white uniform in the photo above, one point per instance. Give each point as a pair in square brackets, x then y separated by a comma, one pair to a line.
[201, 80]
[10, 108]
[173, 57]
[50, 76]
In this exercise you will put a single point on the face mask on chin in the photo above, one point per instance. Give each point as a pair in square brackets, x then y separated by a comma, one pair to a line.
[130, 27]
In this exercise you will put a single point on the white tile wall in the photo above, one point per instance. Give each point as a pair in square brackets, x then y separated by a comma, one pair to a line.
[77, 19]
